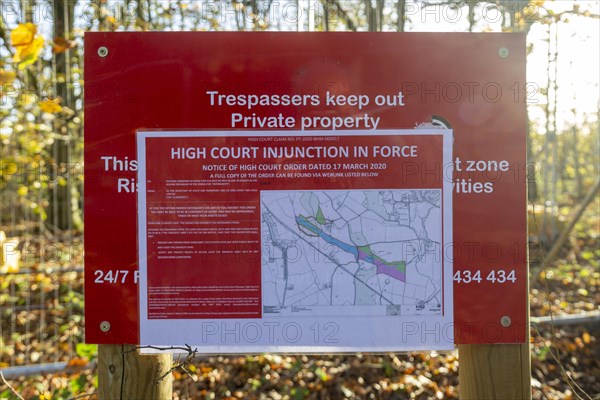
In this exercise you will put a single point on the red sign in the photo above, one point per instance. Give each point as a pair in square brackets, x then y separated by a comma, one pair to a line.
[261, 81]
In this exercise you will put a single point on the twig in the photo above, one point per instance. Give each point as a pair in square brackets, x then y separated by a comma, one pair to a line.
[564, 235]
[556, 352]
[81, 396]
[186, 349]
[577, 390]
[12, 389]
[349, 23]
[186, 371]
[191, 354]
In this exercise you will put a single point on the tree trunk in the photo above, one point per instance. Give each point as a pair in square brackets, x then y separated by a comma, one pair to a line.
[531, 171]
[59, 215]
[374, 15]
[471, 6]
[575, 152]
[400, 23]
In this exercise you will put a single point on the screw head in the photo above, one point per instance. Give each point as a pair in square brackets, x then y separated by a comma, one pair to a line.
[503, 52]
[105, 326]
[505, 321]
[102, 51]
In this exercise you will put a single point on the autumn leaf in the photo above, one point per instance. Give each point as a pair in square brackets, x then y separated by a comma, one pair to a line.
[27, 43]
[27, 98]
[22, 191]
[23, 34]
[587, 338]
[77, 362]
[28, 54]
[111, 20]
[61, 45]
[50, 106]
[7, 76]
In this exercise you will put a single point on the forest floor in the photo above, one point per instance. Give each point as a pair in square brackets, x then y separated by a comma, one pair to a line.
[565, 359]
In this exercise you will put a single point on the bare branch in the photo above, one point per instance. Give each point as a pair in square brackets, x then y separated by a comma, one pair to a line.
[81, 396]
[12, 389]
[191, 354]
[349, 23]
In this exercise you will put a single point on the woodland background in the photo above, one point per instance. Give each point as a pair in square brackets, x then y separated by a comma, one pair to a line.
[41, 187]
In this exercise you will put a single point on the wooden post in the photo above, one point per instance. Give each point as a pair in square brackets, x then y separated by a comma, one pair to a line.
[124, 374]
[494, 371]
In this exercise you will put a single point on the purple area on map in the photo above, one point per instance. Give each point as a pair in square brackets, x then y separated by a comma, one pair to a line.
[382, 267]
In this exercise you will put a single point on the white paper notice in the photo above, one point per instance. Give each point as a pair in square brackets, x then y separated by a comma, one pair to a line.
[296, 241]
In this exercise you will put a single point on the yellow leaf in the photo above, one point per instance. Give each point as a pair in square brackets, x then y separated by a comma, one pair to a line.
[23, 34]
[22, 191]
[28, 54]
[7, 76]
[564, 304]
[50, 106]
[587, 338]
[27, 98]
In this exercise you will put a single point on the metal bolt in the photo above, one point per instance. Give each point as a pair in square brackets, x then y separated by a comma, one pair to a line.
[505, 321]
[105, 326]
[102, 51]
[503, 52]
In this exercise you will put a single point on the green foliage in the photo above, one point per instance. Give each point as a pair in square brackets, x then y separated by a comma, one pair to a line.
[88, 351]
[540, 353]
[78, 384]
[299, 393]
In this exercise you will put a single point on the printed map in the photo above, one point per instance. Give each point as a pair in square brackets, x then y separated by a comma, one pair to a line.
[353, 252]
